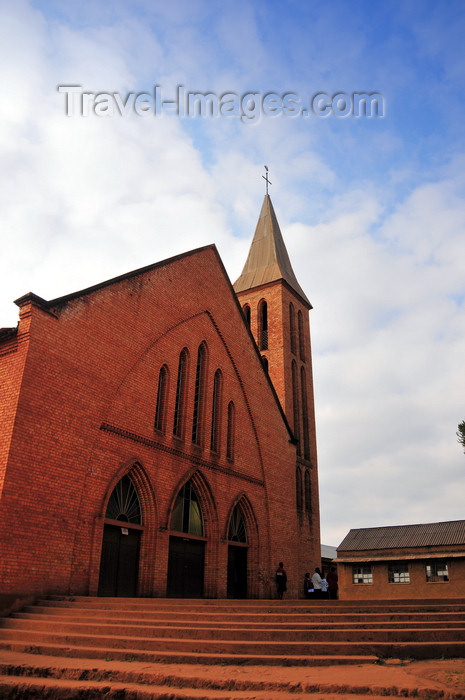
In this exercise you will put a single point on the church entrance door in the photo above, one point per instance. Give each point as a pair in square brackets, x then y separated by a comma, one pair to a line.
[119, 563]
[237, 571]
[186, 568]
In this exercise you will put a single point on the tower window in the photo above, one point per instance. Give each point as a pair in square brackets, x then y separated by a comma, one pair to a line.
[292, 328]
[263, 325]
[295, 405]
[305, 414]
[298, 488]
[300, 320]
[246, 312]
[308, 493]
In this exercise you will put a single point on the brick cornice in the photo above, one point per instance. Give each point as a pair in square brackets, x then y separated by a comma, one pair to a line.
[188, 457]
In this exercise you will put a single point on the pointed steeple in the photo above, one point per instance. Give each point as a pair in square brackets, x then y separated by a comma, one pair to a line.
[268, 259]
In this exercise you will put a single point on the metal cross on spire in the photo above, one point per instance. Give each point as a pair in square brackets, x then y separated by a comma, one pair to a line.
[265, 177]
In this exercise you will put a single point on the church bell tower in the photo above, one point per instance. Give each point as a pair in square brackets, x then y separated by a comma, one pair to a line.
[277, 311]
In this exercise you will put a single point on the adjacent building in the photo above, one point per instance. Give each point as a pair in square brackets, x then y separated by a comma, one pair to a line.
[404, 561]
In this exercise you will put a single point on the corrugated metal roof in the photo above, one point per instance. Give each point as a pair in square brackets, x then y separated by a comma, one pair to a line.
[396, 536]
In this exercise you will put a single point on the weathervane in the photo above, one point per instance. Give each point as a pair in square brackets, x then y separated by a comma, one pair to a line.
[265, 177]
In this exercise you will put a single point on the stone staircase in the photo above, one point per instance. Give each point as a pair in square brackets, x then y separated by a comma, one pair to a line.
[70, 647]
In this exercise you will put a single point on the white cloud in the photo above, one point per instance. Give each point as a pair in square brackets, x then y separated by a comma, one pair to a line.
[372, 212]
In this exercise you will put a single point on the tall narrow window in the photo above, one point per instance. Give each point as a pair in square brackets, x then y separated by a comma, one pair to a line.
[308, 493]
[263, 325]
[295, 405]
[199, 395]
[124, 503]
[231, 429]
[246, 312]
[187, 516]
[179, 408]
[216, 412]
[292, 328]
[298, 488]
[160, 413]
[300, 319]
[306, 435]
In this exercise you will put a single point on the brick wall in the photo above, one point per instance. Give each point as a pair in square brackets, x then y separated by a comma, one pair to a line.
[85, 417]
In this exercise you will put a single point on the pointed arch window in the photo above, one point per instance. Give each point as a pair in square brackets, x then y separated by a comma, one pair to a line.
[199, 395]
[292, 328]
[179, 408]
[216, 412]
[231, 430]
[308, 494]
[162, 392]
[263, 325]
[237, 529]
[187, 514]
[246, 312]
[298, 488]
[300, 320]
[124, 504]
[295, 404]
[306, 436]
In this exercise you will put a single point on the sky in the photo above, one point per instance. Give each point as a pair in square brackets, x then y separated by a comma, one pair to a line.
[370, 203]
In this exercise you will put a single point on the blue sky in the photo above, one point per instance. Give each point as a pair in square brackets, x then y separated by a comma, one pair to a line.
[372, 209]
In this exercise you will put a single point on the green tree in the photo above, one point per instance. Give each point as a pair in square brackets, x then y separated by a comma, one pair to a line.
[461, 434]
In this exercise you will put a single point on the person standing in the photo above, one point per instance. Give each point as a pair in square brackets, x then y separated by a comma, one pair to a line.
[281, 580]
[316, 580]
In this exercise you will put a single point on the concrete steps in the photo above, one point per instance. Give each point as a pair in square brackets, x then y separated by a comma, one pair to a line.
[80, 636]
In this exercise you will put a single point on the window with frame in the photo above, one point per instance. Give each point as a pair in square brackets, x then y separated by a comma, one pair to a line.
[292, 328]
[160, 412]
[298, 488]
[263, 325]
[306, 435]
[199, 394]
[300, 321]
[437, 571]
[231, 430]
[187, 515]
[124, 503]
[246, 312]
[362, 574]
[398, 573]
[216, 412]
[308, 492]
[179, 408]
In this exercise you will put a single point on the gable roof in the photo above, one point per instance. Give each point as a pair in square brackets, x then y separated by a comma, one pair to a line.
[397, 536]
[59, 301]
[268, 259]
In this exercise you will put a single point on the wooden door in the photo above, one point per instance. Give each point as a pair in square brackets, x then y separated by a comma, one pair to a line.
[186, 568]
[119, 562]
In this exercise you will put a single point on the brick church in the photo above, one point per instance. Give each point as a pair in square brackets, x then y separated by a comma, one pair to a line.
[158, 432]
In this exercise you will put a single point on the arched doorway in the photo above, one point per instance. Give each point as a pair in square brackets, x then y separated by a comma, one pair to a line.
[186, 562]
[237, 555]
[119, 562]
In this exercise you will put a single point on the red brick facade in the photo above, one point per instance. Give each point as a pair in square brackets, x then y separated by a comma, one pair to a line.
[80, 386]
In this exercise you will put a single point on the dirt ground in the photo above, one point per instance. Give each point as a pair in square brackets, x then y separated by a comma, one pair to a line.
[442, 678]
